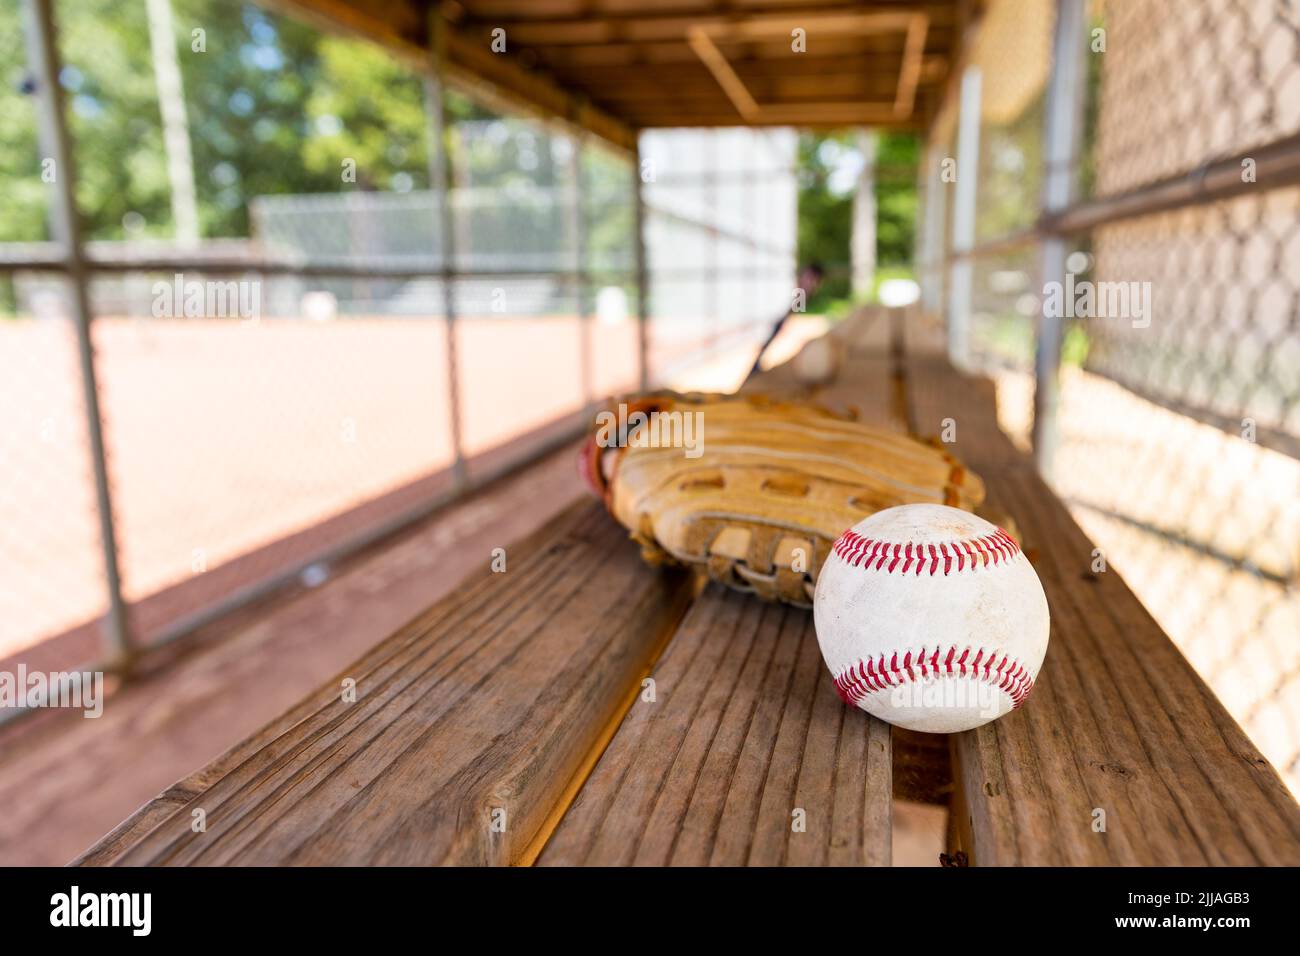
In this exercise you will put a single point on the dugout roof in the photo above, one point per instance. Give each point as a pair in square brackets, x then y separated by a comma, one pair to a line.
[616, 66]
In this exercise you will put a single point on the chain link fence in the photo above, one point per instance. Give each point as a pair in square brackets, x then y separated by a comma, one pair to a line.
[330, 358]
[721, 232]
[1177, 433]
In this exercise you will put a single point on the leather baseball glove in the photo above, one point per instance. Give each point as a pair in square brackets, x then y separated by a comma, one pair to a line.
[753, 489]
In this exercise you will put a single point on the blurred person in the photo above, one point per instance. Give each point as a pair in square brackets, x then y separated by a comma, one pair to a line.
[810, 280]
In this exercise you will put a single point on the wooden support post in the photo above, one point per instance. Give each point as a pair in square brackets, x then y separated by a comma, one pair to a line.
[642, 277]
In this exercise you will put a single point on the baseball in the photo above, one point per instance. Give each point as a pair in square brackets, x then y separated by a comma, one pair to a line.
[818, 362]
[930, 618]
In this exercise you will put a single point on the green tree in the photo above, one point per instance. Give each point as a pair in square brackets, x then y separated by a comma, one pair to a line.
[22, 194]
[897, 156]
[826, 206]
[825, 215]
[246, 99]
[369, 108]
[112, 117]
[273, 106]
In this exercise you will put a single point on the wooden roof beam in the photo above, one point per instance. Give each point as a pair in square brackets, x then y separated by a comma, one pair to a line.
[704, 40]
[525, 24]
[913, 54]
[499, 81]
[802, 69]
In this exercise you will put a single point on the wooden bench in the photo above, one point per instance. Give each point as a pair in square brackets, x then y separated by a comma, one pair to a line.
[514, 723]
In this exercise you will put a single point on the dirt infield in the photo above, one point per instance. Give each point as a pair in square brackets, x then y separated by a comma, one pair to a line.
[223, 436]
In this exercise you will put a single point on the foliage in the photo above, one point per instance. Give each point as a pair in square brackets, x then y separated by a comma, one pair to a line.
[1074, 350]
[897, 156]
[825, 216]
[244, 99]
[273, 106]
[826, 208]
[22, 194]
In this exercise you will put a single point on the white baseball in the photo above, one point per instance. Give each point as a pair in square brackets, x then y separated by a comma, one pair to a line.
[930, 618]
[818, 361]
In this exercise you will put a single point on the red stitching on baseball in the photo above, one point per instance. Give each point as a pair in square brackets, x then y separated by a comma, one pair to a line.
[876, 674]
[981, 552]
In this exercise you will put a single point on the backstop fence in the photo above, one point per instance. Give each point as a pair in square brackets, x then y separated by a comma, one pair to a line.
[188, 422]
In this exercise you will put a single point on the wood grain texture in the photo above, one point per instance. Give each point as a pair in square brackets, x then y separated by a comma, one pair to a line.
[745, 729]
[1118, 720]
[500, 696]
[65, 781]
[489, 701]
[863, 384]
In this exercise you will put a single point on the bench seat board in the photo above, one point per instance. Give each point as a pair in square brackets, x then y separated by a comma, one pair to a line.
[502, 696]
[1118, 721]
[489, 702]
[748, 728]
[745, 731]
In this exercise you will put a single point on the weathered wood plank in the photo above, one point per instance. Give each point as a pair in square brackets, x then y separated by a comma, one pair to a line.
[487, 704]
[747, 728]
[65, 782]
[918, 333]
[745, 731]
[864, 381]
[1118, 722]
[500, 697]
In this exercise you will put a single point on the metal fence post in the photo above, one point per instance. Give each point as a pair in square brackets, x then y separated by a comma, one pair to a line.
[642, 276]
[43, 62]
[712, 297]
[578, 228]
[440, 181]
[1062, 119]
[962, 270]
[862, 237]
